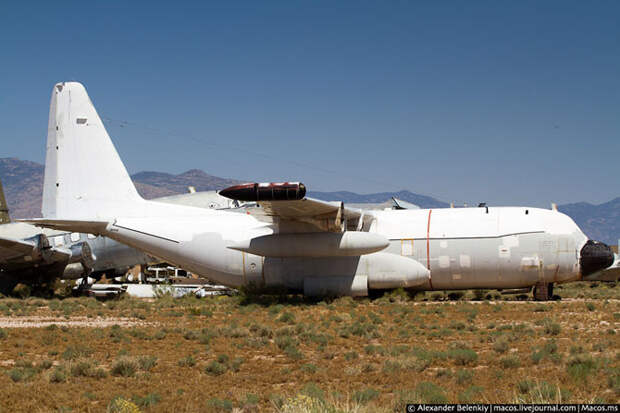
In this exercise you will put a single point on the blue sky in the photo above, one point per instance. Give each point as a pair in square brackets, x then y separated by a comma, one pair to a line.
[506, 102]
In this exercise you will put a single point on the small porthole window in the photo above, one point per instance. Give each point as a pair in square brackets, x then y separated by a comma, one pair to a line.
[527, 211]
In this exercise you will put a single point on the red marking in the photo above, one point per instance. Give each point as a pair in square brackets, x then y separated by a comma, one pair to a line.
[428, 247]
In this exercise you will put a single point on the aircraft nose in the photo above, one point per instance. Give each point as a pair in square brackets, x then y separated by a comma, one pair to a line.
[595, 256]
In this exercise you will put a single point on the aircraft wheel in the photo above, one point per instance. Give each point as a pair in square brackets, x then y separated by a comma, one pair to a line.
[543, 291]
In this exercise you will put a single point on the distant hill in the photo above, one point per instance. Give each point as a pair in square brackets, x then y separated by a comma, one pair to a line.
[601, 222]
[155, 184]
[23, 186]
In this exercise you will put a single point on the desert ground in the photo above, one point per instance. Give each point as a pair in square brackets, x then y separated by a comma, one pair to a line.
[290, 354]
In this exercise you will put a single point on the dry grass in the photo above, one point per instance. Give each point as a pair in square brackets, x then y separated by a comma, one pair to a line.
[290, 355]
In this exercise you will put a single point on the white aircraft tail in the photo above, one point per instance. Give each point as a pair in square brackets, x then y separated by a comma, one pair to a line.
[84, 176]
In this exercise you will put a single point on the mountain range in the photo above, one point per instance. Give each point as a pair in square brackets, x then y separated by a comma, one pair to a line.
[23, 187]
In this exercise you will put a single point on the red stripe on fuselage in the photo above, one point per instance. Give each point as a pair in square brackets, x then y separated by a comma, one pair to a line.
[428, 247]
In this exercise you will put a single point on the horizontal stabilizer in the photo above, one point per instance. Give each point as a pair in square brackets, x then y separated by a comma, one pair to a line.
[91, 227]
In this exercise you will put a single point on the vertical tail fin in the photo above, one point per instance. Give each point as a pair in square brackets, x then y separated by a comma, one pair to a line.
[4, 208]
[84, 176]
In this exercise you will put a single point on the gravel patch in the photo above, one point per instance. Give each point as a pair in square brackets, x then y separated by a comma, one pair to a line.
[37, 322]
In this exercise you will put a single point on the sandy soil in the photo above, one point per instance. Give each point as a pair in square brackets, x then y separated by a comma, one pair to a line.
[36, 322]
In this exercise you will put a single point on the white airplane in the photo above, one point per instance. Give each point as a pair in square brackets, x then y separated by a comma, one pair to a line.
[298, 243]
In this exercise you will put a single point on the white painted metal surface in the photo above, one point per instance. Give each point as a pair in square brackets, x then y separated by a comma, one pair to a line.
[428, 249]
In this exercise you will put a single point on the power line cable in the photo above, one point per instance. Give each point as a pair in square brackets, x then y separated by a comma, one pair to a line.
[235, 148]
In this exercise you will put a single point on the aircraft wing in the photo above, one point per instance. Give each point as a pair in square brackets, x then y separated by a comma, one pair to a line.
[16, 254]
[11, 249]
[319, 215]
[285, 204]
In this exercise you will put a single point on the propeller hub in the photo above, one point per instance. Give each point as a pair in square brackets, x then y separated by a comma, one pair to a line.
[595, 256]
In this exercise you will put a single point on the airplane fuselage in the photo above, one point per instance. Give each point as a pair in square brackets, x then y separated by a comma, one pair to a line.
[496, 247]
[303, 247]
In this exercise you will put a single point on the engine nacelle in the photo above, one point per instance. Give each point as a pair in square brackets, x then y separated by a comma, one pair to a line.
[387, 271]
[285, 191]
[74, 271]
[43, 250]
[314, 244]
[82, 253]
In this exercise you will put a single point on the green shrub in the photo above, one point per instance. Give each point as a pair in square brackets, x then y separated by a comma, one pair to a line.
[524, 386]
[124, 367]
[580, 367]
[351, 355]
[364, 396]
[313, 391]
[16, 375]
[537, 356]
[540, 392]
[45, 365]
[82, 368]
[160, 334]
[191, 335]
[309, 368]
[501, 346]
[215, 368]
[235, 365]
[58, 375]
[98, 373]
[368, 368]
[464, 376]
[147, 363]
[149, 400]
[391, 366]
[552, 328]
[509, 362]
[470, 394]
[3, 334]
[285, 341]
[76, 352]
[293, 352]
[431, 393]
[188, 361]
[251, 399]
[287, 317]
[463, 357]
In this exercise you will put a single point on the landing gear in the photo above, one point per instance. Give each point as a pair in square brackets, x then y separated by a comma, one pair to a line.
[543, 291]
